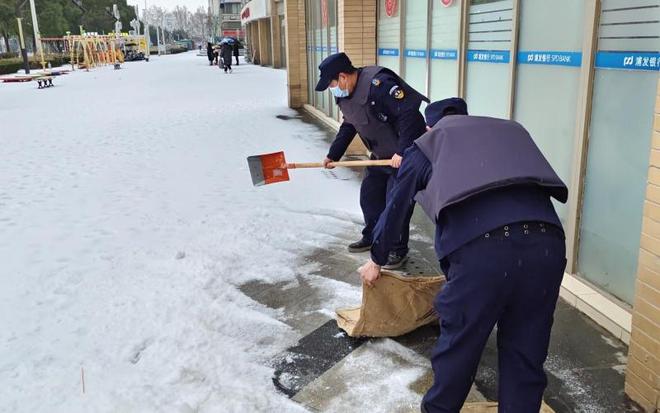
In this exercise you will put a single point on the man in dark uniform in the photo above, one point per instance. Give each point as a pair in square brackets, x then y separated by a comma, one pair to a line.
[501, 246]
[384, 110]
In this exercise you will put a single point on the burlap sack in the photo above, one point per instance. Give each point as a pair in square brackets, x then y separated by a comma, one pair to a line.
[395, 306]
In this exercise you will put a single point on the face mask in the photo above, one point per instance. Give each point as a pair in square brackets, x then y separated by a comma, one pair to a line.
[338, 92]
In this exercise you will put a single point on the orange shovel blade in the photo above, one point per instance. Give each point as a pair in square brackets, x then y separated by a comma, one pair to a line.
[268, 169]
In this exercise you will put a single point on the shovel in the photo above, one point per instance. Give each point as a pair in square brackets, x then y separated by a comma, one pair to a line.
[272, 167]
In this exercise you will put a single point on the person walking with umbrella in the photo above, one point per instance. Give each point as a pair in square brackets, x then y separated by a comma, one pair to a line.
[226, 55]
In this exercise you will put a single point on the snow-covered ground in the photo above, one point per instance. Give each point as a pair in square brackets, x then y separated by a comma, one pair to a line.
[127, 222]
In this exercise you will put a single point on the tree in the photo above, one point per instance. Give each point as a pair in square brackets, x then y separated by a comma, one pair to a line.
[9, 11]
[182, 18]
[52, 19]
[179, 34]
[155, 15]
[199, 24]
[7, 21]
[98, 15]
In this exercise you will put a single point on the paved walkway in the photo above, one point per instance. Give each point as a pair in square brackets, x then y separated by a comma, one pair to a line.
[328, 371]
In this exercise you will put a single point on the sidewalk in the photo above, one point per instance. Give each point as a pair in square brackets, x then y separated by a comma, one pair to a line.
[328, 371]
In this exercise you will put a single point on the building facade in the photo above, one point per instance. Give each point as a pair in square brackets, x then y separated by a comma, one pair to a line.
[226, 18]
[264, 25]
[581, 76]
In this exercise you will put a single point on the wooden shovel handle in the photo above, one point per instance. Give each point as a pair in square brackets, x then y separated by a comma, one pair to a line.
[378, 162]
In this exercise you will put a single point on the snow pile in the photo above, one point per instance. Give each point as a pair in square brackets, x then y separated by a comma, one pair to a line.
[128, 221]
[382, 371]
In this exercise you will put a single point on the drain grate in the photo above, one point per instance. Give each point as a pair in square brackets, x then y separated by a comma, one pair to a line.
[415, 267]
[314, 354]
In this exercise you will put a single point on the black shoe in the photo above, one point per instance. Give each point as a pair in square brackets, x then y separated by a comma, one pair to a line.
[395, 261]
[360, 246]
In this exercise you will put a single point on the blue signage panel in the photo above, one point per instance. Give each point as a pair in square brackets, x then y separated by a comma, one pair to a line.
[536, 57]
[388, 52]
[647, 61]
[444, 54]
[322, 49]
[415, 53]
[488, 56]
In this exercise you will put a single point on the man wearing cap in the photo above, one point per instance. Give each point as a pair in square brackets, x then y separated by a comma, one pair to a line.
[384, 110]
[500, 243]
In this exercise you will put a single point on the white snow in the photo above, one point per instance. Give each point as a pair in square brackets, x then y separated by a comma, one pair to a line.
[382, 371]
[127, 221]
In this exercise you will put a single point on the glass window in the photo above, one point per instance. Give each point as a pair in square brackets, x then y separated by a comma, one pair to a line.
[445, 38]
[548, 79]
[232, 8]
[488, 73]
[388, 35]
[334, 45]
[312, 75]
[282, 24]
[619, 144]
[322, 40]
[415, 52]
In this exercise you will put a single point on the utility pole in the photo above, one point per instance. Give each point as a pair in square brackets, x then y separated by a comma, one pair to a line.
[147, 35]
[162, 38]
[26, 62]
[118, 25]
[37, 35]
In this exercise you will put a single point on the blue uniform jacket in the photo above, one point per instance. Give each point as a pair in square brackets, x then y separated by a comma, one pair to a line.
[389, 105]
[462, 222]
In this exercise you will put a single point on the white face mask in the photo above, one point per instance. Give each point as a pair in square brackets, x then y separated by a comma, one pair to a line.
[338, 92]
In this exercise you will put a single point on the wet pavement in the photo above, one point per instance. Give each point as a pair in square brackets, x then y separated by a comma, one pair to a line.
[329, 371]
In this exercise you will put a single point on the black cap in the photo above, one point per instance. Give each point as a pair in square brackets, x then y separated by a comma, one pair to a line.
[437, 110]
[330, 68]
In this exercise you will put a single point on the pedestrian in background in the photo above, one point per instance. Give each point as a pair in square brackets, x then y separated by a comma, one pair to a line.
[226, 55]
[209, 53]
[237, 46]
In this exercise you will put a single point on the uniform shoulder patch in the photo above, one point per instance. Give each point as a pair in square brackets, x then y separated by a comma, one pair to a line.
[397, 92]
[375, 82]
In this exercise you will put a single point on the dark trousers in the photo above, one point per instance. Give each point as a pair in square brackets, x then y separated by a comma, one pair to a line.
[376, 185]
[509, 277]
[236, 59]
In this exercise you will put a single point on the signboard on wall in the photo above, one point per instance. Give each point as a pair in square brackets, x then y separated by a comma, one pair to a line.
[254, 10]
[444, 54]
[390, 7]
[543, 57]
[388, 52]
[234, 33]
[488, 56]
[644, 61]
